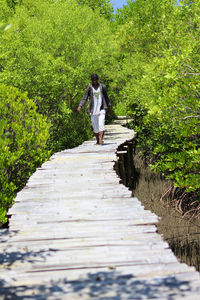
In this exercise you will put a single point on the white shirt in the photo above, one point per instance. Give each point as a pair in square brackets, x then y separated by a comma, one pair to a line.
[97, 101]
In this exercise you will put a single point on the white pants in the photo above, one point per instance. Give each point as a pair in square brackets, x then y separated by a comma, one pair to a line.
[98, 121]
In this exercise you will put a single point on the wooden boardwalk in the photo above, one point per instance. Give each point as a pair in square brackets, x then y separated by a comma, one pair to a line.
[76, 233]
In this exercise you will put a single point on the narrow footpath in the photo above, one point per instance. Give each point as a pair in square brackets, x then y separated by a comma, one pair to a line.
[76, 233]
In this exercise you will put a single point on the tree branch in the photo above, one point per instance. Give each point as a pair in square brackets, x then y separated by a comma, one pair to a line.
[189, 67]
[189, 74]
[187, 117]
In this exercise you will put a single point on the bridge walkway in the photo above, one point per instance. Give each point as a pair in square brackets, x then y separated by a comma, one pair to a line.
[76, 233]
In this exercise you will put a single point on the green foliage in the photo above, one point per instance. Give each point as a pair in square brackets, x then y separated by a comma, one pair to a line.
[159, 82]
[50, 51]
[23, 137]
[120, 108]
[104, 6]
[12, 3]
[5, 11]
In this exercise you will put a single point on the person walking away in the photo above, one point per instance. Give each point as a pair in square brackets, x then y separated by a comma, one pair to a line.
[98, 105]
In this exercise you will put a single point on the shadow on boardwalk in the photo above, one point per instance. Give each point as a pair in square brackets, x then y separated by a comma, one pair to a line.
[9, 258]
[80, 269]
[101, 285]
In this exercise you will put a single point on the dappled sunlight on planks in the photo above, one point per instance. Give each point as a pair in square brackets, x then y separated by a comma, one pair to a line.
[76, 233]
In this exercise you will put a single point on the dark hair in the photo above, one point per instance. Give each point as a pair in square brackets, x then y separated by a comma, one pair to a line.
[94, 77]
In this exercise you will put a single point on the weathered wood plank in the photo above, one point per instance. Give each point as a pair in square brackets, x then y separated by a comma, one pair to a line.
[146, 271]
[76, 233]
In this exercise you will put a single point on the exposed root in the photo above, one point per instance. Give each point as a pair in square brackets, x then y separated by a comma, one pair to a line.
[188, 204]
[164, 195]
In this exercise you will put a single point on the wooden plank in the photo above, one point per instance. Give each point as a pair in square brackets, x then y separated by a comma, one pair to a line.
[60, 245]
[74, 223]
[146, 271]
[137, 239]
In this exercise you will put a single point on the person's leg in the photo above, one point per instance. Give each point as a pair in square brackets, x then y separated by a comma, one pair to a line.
[101, 134]
[101, 126]
[97, 137]
[95, 126]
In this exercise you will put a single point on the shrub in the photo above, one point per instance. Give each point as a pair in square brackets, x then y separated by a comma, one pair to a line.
[23, 138]
[159, 81]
